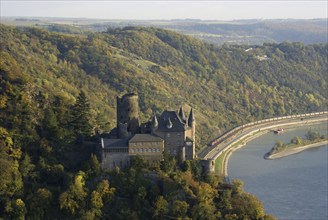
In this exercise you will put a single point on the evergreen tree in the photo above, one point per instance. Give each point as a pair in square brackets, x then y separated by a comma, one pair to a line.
[80, 116]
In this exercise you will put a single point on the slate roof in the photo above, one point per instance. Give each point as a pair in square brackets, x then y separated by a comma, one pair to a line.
[177, 123]
[115, 143]
[145, 138]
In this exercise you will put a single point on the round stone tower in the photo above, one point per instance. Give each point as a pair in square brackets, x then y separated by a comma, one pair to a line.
[128, 113]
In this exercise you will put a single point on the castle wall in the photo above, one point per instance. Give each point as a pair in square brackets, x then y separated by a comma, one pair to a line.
[173, 141]
[152, 152]
[111, 160]
[208, 166]
[190, 150]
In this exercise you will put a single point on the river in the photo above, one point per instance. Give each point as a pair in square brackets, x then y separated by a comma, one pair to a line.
[293, 187]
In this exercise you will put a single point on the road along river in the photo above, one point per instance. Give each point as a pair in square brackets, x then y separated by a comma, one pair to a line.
[240, 135]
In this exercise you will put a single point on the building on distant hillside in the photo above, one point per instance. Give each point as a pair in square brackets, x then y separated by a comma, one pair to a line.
[171, 131]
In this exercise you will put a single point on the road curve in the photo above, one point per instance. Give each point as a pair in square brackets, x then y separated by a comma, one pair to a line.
[238, 133]
[238, 137]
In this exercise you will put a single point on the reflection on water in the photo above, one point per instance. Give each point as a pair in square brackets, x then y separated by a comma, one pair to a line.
[293, 187]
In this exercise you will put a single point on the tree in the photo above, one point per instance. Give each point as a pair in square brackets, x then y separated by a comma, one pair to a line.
[11, 183]
[296, 140]
[74, 198]
[169, 163]
[180, 208]
[80, 117]
[138, 163]
[205, 210]
[51, 129]
[18, 210]
[312, 135]
[93, 167]
[105, 191]
[96, 203]
[247, 206]
[39, 203]
[161, 208]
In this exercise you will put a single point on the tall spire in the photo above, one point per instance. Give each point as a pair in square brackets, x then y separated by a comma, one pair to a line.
[191, 118]
[181, 114]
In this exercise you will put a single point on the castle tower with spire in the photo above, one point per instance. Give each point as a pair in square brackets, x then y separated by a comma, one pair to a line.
[177, 131]
[192, 125]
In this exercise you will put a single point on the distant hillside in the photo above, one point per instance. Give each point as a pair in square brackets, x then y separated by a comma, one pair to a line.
[257, 31]
[227, 85]
[246, 32]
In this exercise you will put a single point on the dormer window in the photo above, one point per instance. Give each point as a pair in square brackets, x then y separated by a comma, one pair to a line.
[169, 124]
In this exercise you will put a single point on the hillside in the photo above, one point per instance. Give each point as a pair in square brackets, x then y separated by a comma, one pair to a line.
[56, 90]
[243, 32]
[250, 32]
[226, 85]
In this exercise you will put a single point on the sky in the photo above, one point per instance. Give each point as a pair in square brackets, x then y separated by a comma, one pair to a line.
[205, 10]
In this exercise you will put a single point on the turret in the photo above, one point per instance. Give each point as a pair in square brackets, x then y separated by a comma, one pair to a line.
[182, 115]
[191, 119]
[192, 125]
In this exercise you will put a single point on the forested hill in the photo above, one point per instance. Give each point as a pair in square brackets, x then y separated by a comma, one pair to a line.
[56, 90]
[226, 85]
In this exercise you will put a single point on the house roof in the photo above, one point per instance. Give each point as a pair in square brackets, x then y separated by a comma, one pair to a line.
[145, 138]
[170, 118]
[114, 143]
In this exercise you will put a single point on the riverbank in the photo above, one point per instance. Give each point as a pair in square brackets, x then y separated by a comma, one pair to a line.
[241, 141]
[295, 150]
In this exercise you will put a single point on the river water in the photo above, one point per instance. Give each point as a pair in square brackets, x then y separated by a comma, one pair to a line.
[293, 187]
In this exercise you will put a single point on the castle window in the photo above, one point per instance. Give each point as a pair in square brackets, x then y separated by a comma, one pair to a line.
[179, 134]
[168, 135]
[141, 150]
[146, 149]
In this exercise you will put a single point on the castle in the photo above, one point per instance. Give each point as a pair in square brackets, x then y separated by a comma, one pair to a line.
[171, 132]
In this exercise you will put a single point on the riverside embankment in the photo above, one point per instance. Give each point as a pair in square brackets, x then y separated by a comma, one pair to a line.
[294, 150]
[252, 135]
[290, 187]
[221, 148]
